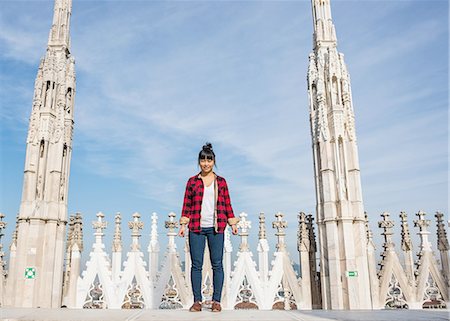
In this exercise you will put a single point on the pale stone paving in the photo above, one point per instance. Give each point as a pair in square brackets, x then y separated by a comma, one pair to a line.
[241, 315]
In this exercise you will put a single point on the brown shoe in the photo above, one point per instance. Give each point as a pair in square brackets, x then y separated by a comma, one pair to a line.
[196, 307]
[216, 307]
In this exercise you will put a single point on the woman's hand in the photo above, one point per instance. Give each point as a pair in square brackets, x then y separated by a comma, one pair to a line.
[181, 230]
[234, 229]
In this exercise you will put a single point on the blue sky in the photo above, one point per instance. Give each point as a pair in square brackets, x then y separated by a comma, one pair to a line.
[156, 79]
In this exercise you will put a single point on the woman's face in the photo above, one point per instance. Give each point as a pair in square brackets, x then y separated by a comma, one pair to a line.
[206, 164]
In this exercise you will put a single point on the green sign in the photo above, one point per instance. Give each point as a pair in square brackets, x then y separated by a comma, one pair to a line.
[30, 273]
[352, 274]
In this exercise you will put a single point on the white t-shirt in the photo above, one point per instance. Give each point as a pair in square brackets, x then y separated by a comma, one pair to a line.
[207, 212]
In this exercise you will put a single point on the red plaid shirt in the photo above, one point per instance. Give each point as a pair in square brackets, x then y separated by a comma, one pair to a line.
[192, 204]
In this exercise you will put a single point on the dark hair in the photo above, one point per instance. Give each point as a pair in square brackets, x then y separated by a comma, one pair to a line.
[206, 152]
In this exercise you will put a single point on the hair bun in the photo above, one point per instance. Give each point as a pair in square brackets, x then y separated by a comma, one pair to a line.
[207, 146]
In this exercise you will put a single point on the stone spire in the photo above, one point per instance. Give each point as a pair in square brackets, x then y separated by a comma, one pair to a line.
[262, 226]
[117, 240]
[70, 233]
[324, 32]
[171, 225]
[99, 225]
[407, 247]
[43, 209]
[406, 238]
[13, 244]
[422, 224]
[386, 224]
[280, 225]
[316, 299]
[340, 208]
[59, 33]
[153, 247]
[73, 258]
[135, 226]
[263, 249]
[302, 234]
[154, 244]
[77, 234]
[2, 263]
[443, 246]
[244, 225]
[441, 233]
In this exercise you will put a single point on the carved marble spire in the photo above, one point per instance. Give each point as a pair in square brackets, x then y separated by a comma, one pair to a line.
[443, 246]
[339, 199]
[77, 232]
[442, 239]
[99, 225]
[422, 224]
[228, 247]
[280, 225]
[154, 244]
[387, 224]
[2, 263]
[70, 232]
[302, 234]
[43, 211]
[171, 225]
[407, 247]
[14, 235]
[59, 33]
[406, 238]
[312, 235]
[244, 225]
[324, 31]
[262, 226]
[117, 240]
[135, 226]
[369, 233]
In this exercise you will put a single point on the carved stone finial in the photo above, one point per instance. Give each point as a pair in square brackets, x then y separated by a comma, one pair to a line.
[244, 225]
[423, 233]
[171, 224]
[14, 235]
[153, 246]
[262, 226]
[2, 226]
[422, 223]
[70, 224]
[406, 238]
[302, 234]
[442, 239]
[117, 241]
[77, 232]
[99, 225]
[154, 229]
[2, 223]
[312, 235]
[280, 225]
[387, 224]
[135, 226]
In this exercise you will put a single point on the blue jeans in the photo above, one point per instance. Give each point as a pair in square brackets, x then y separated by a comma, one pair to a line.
[197, 249]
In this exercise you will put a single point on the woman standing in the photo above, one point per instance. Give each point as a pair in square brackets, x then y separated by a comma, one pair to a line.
[206, 210]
